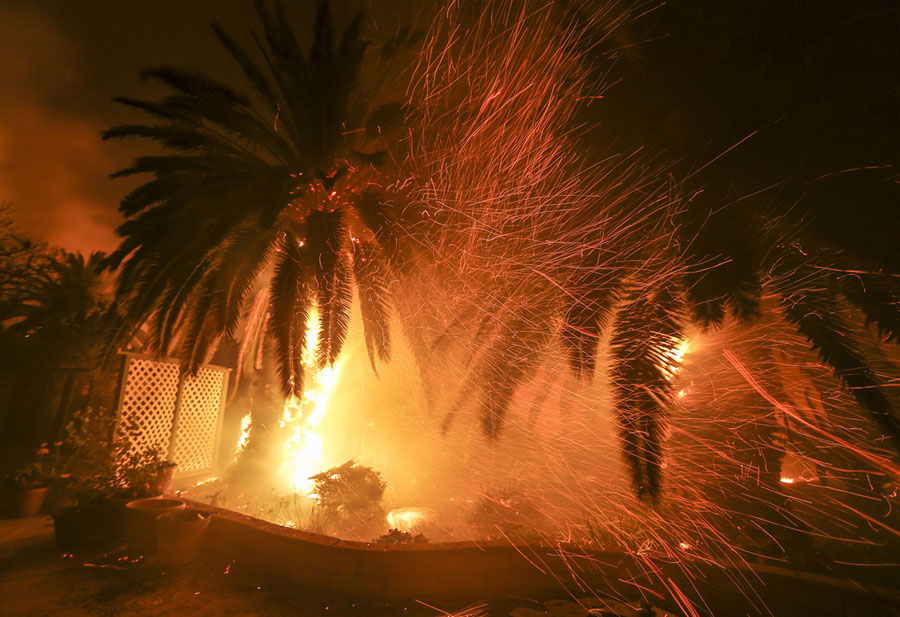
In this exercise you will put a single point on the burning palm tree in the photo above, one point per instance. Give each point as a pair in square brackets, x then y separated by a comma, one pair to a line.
[284, 186]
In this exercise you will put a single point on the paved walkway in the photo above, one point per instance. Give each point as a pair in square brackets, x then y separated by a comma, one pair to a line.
[36, 580]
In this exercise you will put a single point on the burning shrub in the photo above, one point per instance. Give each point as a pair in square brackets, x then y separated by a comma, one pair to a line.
[395, 536]
[349, 501]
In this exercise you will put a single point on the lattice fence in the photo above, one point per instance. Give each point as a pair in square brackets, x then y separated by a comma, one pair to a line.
[180, 418]
[197, 429]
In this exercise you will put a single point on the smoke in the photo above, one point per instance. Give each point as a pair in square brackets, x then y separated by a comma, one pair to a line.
[53, 166]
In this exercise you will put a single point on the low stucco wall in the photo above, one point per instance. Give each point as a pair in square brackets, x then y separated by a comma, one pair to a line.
[416, 570]
[482, 570]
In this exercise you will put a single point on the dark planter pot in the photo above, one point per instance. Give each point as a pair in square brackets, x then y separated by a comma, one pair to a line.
[25, 502]
[115, 515]
[60, 497]
[140, 523]
[79, 527]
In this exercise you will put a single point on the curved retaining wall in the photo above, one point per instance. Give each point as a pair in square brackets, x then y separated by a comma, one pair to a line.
[416, 570]
[482, 570]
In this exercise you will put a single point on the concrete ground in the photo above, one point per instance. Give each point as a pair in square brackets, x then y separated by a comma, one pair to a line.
[37, 580]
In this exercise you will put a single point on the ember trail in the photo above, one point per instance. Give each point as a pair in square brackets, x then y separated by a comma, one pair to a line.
[569, 340]
[471, 283]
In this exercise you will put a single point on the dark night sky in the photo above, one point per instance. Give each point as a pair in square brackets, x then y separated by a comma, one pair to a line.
[61, 61]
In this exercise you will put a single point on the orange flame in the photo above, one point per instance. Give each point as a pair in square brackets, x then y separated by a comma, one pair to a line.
[302, 417]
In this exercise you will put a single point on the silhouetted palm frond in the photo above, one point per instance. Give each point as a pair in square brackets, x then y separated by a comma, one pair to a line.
[646, 345]
[810, 303]
[253, 185]
[592, 303]
[372, 281]
[722, 254]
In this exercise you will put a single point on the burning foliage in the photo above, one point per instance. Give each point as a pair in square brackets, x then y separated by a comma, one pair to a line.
[590, 305]
[348, 500]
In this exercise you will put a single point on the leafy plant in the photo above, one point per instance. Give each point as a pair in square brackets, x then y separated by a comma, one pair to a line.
[396, 536]
[349, 499]
[103, 463]
[41, 470]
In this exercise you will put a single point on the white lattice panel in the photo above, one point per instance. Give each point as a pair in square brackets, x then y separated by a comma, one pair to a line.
[198, 420]
[148, 398]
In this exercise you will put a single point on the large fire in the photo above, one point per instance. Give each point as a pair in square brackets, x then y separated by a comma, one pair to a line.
[745, 441]
[301, 418]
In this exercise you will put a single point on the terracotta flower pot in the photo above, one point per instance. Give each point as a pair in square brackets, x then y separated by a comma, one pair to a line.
[116, 512]
[24, 502]
[180, 536]
[140, 523]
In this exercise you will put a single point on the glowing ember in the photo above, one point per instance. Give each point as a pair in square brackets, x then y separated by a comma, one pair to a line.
[795, 468]
[406, 519]
[672, 359]
[302, 417]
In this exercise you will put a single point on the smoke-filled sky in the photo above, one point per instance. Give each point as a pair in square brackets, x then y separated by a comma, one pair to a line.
[62, 61]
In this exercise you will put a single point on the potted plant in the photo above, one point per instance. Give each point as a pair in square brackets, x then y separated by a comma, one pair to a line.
[133, 475]
[107, 469]
[27, 487]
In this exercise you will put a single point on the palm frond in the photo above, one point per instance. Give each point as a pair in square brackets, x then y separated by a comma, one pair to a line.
[372, 285]
[721, 248]
[644, 345]
[206, 163]
[159, 110]
[288, 310]
[326, 235]
[201, 333]
[375, 213]
[195, 84]
[876, 295]
[239, 265]
[593, 300]
[809, 303]
[180, 136]
[511, 358]
[251, 70]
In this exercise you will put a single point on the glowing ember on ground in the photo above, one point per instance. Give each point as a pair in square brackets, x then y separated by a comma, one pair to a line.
[406, 519]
